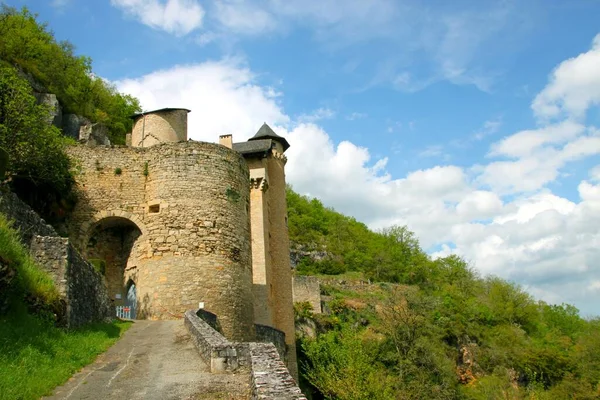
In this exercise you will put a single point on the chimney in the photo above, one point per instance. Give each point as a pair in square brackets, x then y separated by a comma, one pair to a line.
[226, 140]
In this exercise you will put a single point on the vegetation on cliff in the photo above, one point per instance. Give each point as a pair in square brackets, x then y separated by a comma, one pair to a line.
[37, 167]
[429, 329]
[31, 60]
[30, 46]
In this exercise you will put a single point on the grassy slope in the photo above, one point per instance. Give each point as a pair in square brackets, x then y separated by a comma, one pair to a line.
[35, 356]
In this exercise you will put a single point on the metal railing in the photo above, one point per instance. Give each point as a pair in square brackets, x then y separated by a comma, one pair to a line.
[123, 312]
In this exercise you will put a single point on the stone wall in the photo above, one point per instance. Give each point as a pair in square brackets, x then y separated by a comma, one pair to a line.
[81, 287]
[190, 201]
[269, 377]
[307, 289]
[273, 302]
[24, 219]
[267, 334]
[79, 284]
[218, 352]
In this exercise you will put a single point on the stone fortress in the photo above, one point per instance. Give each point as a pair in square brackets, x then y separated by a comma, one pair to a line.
[181, 225]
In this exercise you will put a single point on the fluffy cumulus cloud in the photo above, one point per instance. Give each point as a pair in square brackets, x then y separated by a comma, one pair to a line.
[178, 17]
[501, 216]
[574, 86]
[223, 97]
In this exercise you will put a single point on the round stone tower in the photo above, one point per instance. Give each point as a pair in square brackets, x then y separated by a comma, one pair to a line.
[172, 222]
[159, 126]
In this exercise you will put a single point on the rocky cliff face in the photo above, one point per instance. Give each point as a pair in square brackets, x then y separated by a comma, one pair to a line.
[72, 125]
[299, 252]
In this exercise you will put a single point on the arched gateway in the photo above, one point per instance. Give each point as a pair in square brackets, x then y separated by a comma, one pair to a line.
[114, 243]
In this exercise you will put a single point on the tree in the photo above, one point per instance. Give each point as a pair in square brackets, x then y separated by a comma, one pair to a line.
[54, 67]
[36, 157]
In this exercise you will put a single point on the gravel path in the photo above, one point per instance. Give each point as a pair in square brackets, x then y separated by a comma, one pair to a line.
[153, 360]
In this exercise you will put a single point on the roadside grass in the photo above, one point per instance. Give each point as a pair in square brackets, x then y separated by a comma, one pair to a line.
[35, 356]
[30, 279]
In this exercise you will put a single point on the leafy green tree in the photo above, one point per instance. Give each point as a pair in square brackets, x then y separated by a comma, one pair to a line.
[31, 47]
[35, 149]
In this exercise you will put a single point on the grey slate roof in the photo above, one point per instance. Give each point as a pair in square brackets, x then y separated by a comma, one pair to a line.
[254, 146]
[265, 132]
[134, 116]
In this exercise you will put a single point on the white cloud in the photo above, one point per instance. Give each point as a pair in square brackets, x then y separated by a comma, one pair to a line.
[544, 241]
[223, 97]
[205, 38]
[178, 17]
[523, 143]
[356, 115]
[243, 17]
[490, 127]
[574, 86]
[448, 41]
[432, 151]
[538, 156]
[595, 173]
[317, 115]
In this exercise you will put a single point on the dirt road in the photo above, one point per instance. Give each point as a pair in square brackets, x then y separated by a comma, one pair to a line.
[153, 360]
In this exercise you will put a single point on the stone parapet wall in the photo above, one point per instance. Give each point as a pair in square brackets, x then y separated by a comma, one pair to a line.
[269, 377]
[268, 334]
[81, 287]
[24, 219]
[218, 352]
[307, 289]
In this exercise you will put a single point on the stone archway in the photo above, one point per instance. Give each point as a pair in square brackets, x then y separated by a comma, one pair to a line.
[114, 243]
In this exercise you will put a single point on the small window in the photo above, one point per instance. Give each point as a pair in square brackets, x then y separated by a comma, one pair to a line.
[154, 208]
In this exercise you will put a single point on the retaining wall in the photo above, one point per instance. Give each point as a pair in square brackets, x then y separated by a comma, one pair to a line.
[81, 287]
[269, 377]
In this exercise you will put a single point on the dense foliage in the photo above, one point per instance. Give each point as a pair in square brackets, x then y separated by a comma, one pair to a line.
[392, 255]
[29, 46]
[31, 60]
[36, 166]
[431, 329]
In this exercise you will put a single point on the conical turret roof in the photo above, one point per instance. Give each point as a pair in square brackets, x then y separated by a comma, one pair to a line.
[265, 132]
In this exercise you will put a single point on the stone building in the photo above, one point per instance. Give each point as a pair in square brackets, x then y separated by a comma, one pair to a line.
[181, 224]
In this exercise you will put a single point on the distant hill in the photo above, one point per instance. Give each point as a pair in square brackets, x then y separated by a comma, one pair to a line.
[403, 326]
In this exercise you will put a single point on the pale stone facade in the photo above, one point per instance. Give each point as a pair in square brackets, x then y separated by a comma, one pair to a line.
[160, 126]
[182, 224]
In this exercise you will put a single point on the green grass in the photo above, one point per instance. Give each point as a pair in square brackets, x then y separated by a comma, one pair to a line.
[35, 356]
[30, 278]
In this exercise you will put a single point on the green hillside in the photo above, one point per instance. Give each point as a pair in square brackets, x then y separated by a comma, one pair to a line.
[33, 61]
[428, 329]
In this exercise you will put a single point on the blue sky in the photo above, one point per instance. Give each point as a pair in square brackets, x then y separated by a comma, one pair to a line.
[473, 122]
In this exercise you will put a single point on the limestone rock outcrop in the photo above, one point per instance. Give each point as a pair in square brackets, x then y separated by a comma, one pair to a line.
[54, 107]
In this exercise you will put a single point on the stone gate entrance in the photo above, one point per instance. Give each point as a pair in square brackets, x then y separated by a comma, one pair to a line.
[110, 245]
